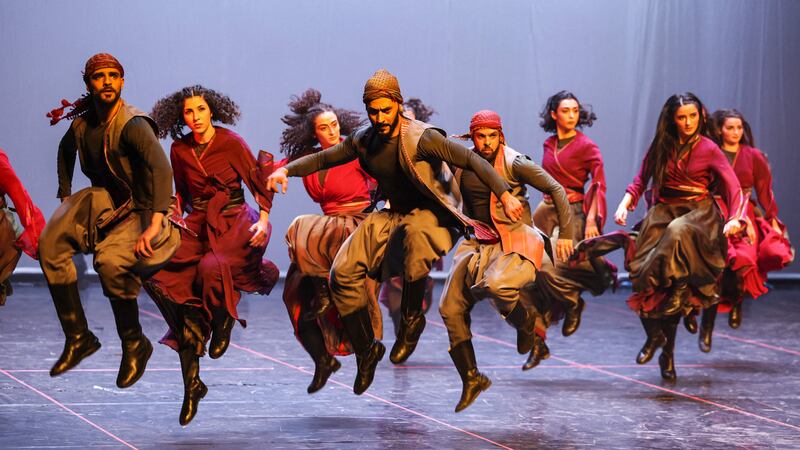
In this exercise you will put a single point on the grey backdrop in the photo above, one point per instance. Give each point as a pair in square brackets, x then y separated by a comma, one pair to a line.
[623, 57]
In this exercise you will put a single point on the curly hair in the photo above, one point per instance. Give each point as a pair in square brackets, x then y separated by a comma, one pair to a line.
[586, 116]
[421, 111]
[717, 121]
[168, 112]
[300, 138]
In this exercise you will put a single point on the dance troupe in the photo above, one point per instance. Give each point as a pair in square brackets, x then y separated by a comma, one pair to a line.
[396, 196]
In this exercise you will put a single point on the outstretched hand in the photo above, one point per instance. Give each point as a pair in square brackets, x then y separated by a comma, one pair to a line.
[512, 206]
[279, 177]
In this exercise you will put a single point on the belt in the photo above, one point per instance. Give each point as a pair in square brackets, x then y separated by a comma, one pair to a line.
[235, 198]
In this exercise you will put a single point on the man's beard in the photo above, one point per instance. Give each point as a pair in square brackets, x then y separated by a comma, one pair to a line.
[392, 127]
[98, 96]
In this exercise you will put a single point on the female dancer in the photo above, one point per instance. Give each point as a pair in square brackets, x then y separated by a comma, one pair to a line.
[679, 252]
[344, 195]
[572, 159]
[765, 245]
[223, 240]
[14, 239]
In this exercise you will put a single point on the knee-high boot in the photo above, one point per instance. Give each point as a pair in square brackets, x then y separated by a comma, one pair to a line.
[136, 348]
[707, 328]
[191, 349]
[221, 326]
[473, 382]
[412, 321]
[368, 350]
[666, 361]
[655, 339]
[325, 364]
[79, 341]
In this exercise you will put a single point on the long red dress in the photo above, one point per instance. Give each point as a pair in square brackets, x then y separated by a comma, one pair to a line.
[314, 240]
[13, 240]
[215, 263]
[578, 167]
[680, 237]
[761, 249]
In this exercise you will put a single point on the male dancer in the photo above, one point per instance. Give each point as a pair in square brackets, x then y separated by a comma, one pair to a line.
[409, 160]
[121, 219]
[497, 268]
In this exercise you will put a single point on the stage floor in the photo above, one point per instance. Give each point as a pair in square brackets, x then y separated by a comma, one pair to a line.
[590, 393]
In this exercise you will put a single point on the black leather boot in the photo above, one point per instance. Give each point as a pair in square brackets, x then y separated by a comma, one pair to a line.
[524, 321]
[707, 328]
[472, 381]
[655, 339]
[735, 316]
[136, 348]
[79, 342]
[572, 319]
[193, 388]
[324, 364]
[323, 295]
[666, 361]
[412, 321]
[690, 322]
[221, 326]
[368, 350]
[679, 295]
[539, 353]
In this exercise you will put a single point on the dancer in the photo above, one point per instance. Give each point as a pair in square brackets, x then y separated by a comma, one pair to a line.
[223, 240]
[122, 219]
[680, 249]
[501, 267]
[409, 160]
[572, 159]
[20, 235]
[392, 290]
[343, 193]
[765, 245]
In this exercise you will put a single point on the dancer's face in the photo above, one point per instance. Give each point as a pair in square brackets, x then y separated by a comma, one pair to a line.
[326, 127]
[567, 114]
[197, 115]
[687, 119]
[487, 141]
[105, 85]
[732, 130]
[384, 114]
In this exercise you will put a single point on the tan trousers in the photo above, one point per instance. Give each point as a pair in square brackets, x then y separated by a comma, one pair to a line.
[387, 244]
[482, 271]
[73, 229]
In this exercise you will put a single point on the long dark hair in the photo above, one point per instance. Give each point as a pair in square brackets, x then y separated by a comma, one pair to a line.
[299, 137]
[666, 138]
[168, 112]
[718, 121]
[586, 116]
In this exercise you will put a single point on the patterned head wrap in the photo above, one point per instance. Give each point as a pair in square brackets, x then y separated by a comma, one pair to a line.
[101, 61]
[486, 118]
[382, 85]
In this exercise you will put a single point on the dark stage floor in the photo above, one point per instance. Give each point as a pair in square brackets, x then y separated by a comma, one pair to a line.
[745, 394]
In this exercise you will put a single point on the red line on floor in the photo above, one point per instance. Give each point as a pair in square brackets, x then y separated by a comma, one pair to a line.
[643, 383]
[149, 369]
[67, 409]
[716, 333]
[572, 366]
[372, 396]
